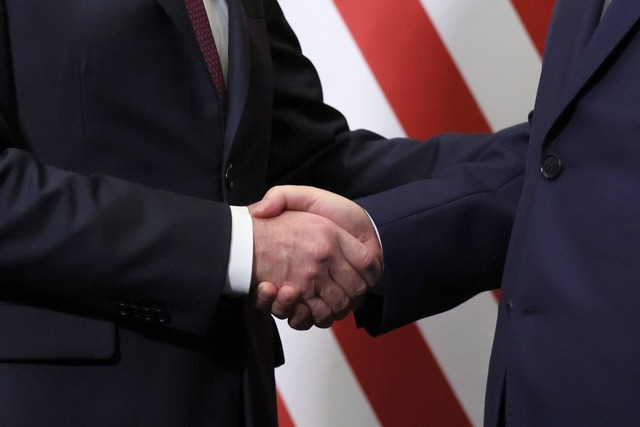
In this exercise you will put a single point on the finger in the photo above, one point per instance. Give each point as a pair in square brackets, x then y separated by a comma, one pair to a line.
[301, 318]
[321, 312]
[264, 295]
[285, 302]
[335, 296]
[297, 197]
[362, 260]
[350, 271]
[334, 280]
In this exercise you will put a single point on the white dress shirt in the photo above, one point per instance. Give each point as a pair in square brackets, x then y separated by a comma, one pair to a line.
[218, 14]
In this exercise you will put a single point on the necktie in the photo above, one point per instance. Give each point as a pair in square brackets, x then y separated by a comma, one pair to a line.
[202, 29]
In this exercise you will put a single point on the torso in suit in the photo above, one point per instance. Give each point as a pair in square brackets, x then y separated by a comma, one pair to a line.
[549, 211]
[116, 174]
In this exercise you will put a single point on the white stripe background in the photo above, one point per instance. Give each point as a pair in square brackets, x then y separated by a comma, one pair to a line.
[501, 66]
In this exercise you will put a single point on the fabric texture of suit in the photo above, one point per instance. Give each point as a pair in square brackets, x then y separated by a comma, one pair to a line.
[550, 213]
[116, 172]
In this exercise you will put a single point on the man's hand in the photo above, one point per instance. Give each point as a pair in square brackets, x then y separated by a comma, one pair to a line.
[330, 268]
[340, 211]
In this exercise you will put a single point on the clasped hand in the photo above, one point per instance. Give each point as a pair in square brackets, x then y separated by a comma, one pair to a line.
[316, 254]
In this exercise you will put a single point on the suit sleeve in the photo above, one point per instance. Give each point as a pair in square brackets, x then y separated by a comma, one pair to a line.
[87, 244]
[313, 145]
[445, 238]
[92, 243]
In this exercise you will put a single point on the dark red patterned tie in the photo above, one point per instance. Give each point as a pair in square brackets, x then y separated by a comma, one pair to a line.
[202, 28]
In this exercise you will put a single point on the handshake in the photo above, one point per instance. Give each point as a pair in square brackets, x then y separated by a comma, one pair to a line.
[316, 254]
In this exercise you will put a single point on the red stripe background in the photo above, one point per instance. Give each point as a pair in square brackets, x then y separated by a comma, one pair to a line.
[412, 66]
[284, 418]
[535, 16]
[429, 96]
[400, 377]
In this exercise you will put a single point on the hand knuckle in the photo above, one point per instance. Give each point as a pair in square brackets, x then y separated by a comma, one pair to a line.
[311, 275]
[346, 303]
[360, 289]
[321, 251]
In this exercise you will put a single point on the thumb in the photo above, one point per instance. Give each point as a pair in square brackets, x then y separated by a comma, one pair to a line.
[264, 295]
[273, 204]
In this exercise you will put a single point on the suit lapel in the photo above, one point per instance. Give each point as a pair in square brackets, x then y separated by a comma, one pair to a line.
[617, 22]
[239, 69]
[576, 53]
[178, 14]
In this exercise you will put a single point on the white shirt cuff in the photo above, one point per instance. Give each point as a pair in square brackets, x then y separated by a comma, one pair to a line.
[375, 227]
[241, 252]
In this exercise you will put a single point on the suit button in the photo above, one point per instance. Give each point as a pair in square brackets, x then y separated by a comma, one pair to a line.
[551, 166]
[124, 310]
[228, 177]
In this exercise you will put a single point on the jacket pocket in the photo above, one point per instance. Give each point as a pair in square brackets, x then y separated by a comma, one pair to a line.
[38, 335]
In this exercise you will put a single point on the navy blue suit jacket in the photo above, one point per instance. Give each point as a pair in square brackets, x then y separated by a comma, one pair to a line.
[550, 213]
[116, 172]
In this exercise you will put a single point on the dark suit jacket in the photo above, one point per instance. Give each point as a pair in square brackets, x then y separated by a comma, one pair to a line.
[550, 211]
[116, 171]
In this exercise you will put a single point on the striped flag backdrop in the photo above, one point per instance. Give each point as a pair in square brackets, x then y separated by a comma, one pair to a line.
[416, 68]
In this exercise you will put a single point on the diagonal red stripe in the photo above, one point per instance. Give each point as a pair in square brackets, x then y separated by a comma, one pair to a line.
[397, 371]
[400, 377]
[284, 418]
[535, 16]
[412, 66]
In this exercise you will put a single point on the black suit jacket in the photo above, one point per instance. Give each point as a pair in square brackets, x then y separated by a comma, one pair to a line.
[116, 171]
